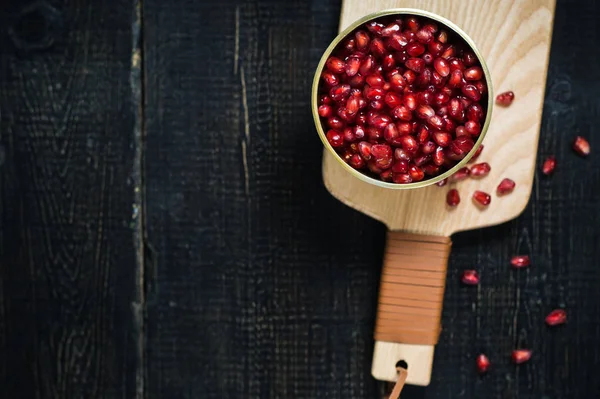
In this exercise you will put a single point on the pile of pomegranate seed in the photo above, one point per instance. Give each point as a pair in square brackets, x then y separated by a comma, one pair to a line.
[402, 99]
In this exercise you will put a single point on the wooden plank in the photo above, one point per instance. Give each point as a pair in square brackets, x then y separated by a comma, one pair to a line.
[67, 262]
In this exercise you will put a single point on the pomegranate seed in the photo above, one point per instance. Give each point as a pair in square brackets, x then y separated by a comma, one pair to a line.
[436, 122]
[382, 153]
[437, 80]
[475, 112]
[335, 138]
[409, 76]
[461, 146]
[397, 81]
[374, 135]
[373, 167]
[386, 175]
[377, 47]
[581, 146]
[335, 123]
[398, 41]
[427, 58]
[390, 29]
[456, 79]
[400, 166]
[423, 79]
[456, 110]
[352, 66]
[425, 112]
[448, 52]
[435, 48]
[335, 65]
[364, 149]
[339, 93]
[392, 100]
[415, 49]
[521, 355]
[404, 128]
[356, 81]
[325, 111]
[443, 37]
[409, 144]
[470, 277]
[388, 62]
[442, 182]
[506, 186]
[367, 66]
[350, 45]
[480, 169]
[520, 261]
[469, 58]
[375, 27]
[452, 198]
[449, 125]
[471, 92]
[416, 173]
[441, 66]
[348, 135]
[345, 114]
[473, 128]
[441, 98]
[390, 133]
[428, 147]
[481, 87]
[422, 160]
[401, 112]
[415, 64]
[549, 165]
[505, 98]
[461, 174]
[357, 162]
[359, 132]
[402, 155]
[456, 63]
[483, 363]
[482, 198]
[379, 121]
[402, 178]
[375, 81]
[556, 317]
[410, 100]
[330, 78]
[473, 73]
[442, 138]
[439, 157]
[353, 105]
[412, 24]
[362, 40]
[361, 118]
[425, 97]
[424, 35]
[373, 93]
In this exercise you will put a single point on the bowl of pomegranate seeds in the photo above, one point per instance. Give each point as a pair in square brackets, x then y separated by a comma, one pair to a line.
[402, 98]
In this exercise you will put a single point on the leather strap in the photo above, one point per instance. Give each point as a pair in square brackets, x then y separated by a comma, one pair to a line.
[412, 286]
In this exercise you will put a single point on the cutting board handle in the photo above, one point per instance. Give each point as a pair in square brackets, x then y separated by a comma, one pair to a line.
[411, 294]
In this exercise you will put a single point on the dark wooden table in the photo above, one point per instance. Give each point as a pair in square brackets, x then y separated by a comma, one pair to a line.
[164, 231]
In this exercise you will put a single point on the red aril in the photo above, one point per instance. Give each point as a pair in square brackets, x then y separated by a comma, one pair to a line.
[452, 198]
[506, 186]
[520, 261]
[483, 363]
[520, 356]
[556, 317]
[325, 111]
[400, 166]
[362, 40]
[439, 156]
[352, 66]
[364, 149]
[415, 49]
[409, 144]
[505, 99]
[441, 66]
[397, 41]
[480, 169]
[393, 100]
[335, 65]
[442, 138]
[330, 78]
[471, 92]
[436, 122]
[482, 198]
[416, 173]
[473, 73]
[335, 138]
[390, 133]
[402, 178]
[382, 153]
[357, 162]
[581, 146]
[425, 111]
[469, 58]
[470, 277]
[424, 35]
[390, 29]
[549, 165]
[415, 64]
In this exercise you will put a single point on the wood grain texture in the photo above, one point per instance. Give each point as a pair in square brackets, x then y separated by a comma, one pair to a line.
[67, 264]
[514, 38]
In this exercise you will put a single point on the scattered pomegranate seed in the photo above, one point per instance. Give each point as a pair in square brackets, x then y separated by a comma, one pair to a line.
[482, 198]
[470, 277]
[453, 198]
[483, 363]
[461, 174]
[505, 98]
[401, 100]
[521, 355]
[581, 146]
[480, 169]
[506, 186]
[556, 317]
[519, 261]
[549, 165]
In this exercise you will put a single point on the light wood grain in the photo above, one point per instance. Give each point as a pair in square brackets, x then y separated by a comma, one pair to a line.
[514, 37]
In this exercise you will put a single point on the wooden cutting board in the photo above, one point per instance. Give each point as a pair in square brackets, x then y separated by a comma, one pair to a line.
[514, 38]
